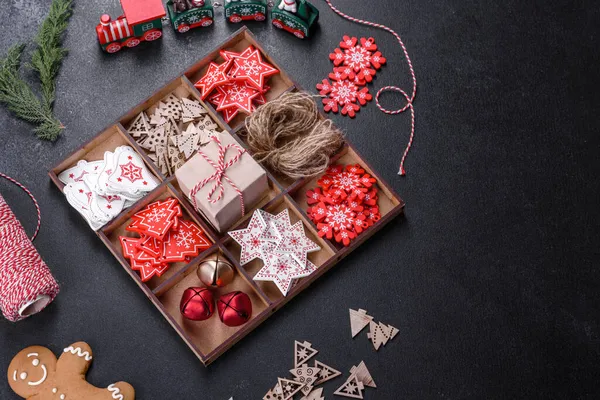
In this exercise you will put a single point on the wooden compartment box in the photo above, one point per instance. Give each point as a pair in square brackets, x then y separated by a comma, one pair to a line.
[209, 339]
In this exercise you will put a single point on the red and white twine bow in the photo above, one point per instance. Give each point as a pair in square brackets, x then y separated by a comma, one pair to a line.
[410, 98]
[220, 167]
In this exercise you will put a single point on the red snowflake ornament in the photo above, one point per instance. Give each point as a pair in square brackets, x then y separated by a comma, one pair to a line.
[345, 203]
[363, 58]
[343, 92]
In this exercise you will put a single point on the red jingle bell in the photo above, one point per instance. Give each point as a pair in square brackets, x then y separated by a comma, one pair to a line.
[197, 303]
[235, 308]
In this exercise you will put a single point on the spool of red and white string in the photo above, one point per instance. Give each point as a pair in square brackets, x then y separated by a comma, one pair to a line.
[410, 98]
[26, 283]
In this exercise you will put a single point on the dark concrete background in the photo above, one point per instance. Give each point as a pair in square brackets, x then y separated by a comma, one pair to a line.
[491, 277]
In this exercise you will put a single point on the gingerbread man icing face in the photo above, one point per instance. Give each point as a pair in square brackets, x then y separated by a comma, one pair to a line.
[30, 369]
[35, 373]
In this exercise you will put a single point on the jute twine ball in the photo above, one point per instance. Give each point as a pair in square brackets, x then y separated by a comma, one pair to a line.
[289, 136]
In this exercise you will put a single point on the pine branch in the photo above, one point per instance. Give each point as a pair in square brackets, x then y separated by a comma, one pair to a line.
[20, 99]
[48, 55]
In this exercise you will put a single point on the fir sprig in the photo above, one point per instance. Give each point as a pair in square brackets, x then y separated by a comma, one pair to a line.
[20, 99]
[48, 55]
[45, 61]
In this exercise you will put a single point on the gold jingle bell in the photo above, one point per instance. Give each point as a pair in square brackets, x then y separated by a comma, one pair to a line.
[215, 271]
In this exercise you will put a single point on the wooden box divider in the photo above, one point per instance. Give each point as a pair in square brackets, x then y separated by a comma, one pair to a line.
[171, 281]
[209, 339]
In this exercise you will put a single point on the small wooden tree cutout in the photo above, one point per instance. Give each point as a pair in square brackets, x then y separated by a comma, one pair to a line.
[187, 142]
[140, 126]
[327, 373]
[274, 394]
[307, 376]
[172, 107]
[388, 331]
[353, 388]
[303, 352]
[207, 123]
[316, 394]
[363, 375]
[376, 335]
[359, 320]
[289, 388]
[192, 110]
[394, 332]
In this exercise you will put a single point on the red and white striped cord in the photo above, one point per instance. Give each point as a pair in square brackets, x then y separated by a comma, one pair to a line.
[26, 283]
[409, 98]
[35, 203]
[220, 167]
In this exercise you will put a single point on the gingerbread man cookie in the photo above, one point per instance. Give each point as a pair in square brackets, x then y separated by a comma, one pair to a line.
[35, 374]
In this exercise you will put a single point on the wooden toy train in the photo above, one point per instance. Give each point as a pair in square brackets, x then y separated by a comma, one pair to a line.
[142, 19]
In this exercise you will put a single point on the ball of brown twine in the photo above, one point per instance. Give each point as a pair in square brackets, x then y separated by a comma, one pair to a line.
[288, 136]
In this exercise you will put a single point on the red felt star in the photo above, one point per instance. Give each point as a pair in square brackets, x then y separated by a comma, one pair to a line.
[215, 75]
[252, 69]
[238, 95]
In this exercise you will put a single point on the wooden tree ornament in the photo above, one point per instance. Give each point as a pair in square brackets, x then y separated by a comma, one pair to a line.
[303, 352]
[363, 375]
[353, 388]
[359, 320]
[326, 373]
[389, 331]
[316, 394]
[376, 335]
[274, 394]
[172, 107]
[187, 142]
[191, 110]
[307, 376]
[140, 126]
[289, 388]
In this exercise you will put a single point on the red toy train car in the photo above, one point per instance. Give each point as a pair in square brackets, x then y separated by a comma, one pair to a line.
[142, 21]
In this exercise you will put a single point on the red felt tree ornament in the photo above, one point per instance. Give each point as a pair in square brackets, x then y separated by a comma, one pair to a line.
[197, 304]
[235, 308]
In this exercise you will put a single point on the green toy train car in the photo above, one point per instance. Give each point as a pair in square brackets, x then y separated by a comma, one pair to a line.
[189, 14]
[301, 23]
[243, 10]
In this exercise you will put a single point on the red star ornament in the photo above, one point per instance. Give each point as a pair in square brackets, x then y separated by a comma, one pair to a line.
[230, 55]
[252, 69]
[188, 240]
[215, 75]
[237, 95]
[230, 113]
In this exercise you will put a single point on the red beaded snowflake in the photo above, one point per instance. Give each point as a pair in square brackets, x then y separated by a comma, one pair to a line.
[344, 204]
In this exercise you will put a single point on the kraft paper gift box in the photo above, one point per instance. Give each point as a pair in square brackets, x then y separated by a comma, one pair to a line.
[241, 170]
